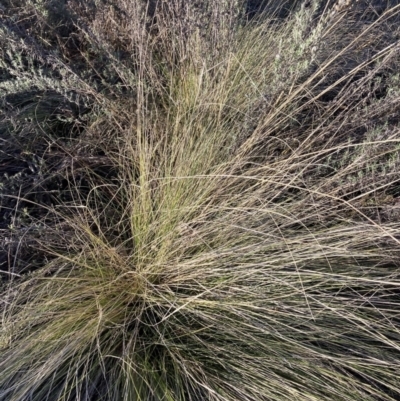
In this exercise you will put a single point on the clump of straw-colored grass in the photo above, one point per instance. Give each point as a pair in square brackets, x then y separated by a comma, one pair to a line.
[243, 242]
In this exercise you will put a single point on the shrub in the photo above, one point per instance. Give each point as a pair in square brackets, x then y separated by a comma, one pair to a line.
[203, 207]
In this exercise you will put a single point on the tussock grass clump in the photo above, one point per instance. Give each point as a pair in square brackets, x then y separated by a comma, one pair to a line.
[205, 207]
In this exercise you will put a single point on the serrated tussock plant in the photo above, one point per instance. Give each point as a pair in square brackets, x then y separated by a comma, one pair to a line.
[212, 208]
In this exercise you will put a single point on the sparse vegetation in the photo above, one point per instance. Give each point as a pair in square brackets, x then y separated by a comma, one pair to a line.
[199, 205]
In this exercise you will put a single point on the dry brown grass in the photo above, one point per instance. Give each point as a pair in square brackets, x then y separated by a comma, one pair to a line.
[212, 209]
